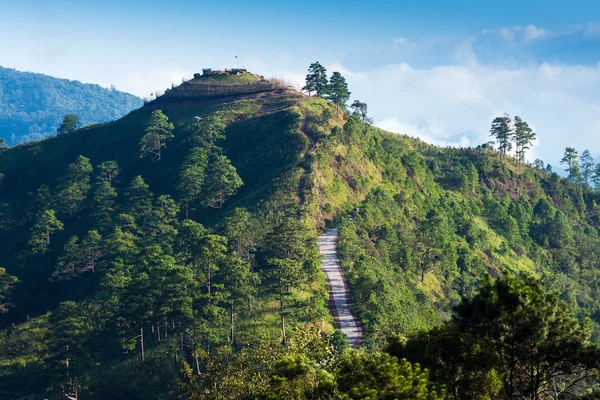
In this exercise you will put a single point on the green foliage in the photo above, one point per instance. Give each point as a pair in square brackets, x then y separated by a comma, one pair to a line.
[7, 284]
[338, 91]
[573, 170]
[316, 80]
[501, 131]
[363, 375]
[69, 124]
[512, 340]
[587, 167]
[34, 105]
[222, 183]
[524, 137]
[42, 230]
[158, 131]
[219, 291]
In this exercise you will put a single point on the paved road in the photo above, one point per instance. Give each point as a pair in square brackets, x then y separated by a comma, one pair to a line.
[338, 288]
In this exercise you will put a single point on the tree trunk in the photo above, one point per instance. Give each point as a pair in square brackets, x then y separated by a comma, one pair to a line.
[142, 344]
[282, 318]
[158, 331]
[196, 352]
[187, 210]
[209, 283]
[231, 320]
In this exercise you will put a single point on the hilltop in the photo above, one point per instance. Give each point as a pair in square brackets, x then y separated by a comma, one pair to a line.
[33, 105]
[231, 263]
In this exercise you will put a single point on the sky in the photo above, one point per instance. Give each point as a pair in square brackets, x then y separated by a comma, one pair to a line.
[437, 70]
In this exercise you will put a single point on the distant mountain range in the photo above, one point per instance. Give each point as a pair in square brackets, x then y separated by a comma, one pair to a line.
[33, 105]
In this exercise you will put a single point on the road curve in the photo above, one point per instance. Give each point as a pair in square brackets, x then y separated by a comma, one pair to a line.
[339, 293]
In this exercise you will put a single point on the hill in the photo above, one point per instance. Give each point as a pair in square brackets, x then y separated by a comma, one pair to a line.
[134, 240]
[33, 105]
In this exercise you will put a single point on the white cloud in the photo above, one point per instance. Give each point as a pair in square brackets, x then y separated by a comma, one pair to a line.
[527, 33]
[403, 42]
[455, 104]
[532, 32]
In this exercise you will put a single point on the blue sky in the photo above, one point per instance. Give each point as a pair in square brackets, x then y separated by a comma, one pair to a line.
[439, 70]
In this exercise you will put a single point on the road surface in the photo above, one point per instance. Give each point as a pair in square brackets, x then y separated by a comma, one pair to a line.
[339, 293]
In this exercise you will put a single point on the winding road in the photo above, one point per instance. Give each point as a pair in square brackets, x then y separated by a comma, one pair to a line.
[339, 293]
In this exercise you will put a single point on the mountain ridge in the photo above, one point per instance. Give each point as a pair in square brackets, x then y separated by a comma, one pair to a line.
[419, 228]
[32, 105]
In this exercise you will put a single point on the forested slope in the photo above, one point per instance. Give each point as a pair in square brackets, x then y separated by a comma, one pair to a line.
[33, 105]
[171, 251]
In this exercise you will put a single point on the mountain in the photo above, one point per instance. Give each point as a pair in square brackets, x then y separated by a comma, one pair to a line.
[33, 105]
[145, 252]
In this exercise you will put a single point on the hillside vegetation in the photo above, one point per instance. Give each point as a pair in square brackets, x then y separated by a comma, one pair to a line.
[173, 252]
[32, 106]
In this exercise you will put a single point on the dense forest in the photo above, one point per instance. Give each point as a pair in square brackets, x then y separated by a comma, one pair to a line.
[33, 105]
[172, 254]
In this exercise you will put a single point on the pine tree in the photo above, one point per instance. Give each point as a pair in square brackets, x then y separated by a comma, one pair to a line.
[316, 80]
[69, 124]
[360, 110]
[75, 186]
[338, 90]
[288, 245]
[587, 167]
[105, 195]
[570, 158]
[222, 181]
[7, 283]
[240, 287]
[524, 137]
[158, 131]
[501, 130]
[41, 232]
[596, 177]
[138, 198]
[192, 176]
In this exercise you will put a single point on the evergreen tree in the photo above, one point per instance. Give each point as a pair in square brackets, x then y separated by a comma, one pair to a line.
[287, 247]
[158, 131]
[338, 90]
[316, 80]
[41, 232]
[192, 176]
[238, 230]
[539, 164]
[105, 195]
[138, 198]
[222, 181]
[363, 375]
[511, 341]
[570, 158]
[7, 284]
[501, 130]
[206, 132]
[68, 358]
[75, 186]
[524, 137]
[587, 167]
[69, 124]
[360, 110]
[596, 177]
[79, 256]
[239, 288]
